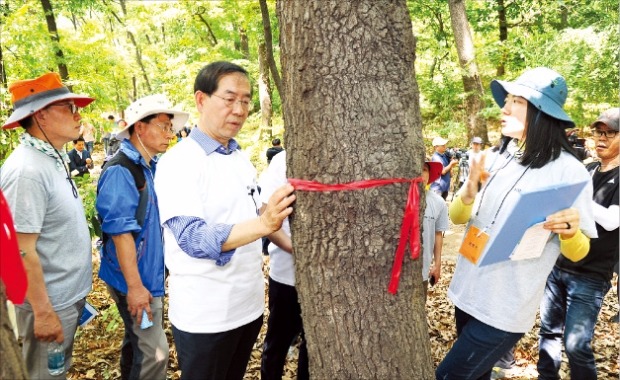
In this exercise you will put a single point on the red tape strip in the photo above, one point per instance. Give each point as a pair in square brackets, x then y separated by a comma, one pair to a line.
[410, 228]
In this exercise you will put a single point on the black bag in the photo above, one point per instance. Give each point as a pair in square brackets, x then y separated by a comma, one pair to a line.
[121, 158]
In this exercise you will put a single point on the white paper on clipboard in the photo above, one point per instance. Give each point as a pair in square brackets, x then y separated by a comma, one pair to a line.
[532, 243]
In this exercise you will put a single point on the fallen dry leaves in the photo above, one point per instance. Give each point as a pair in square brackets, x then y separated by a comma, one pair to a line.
[97, 347]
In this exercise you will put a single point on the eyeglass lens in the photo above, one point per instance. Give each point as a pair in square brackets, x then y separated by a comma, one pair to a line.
[607, 134]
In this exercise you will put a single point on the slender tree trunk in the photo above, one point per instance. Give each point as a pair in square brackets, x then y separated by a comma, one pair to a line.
[244, 46]
[53, 30]
[136, 46]
[472, 84]
[264, 94]
[503, 37]
[12, 366]
[269, 44]
[3, 79]
[351, 112]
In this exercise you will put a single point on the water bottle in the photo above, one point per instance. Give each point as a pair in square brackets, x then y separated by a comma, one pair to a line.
[55, 358]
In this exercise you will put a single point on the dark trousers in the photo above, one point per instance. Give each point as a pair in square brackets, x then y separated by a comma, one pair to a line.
[216, 356]
[283, 326]
[568, 313]
[476, 349]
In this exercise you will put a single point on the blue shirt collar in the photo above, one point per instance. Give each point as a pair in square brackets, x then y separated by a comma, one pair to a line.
[132, 153]
[210, 146]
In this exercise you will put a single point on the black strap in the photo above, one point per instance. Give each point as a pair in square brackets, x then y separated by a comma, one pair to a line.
[137, 173]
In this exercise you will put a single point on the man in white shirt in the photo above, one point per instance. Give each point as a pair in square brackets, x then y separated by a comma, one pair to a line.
[212, 231]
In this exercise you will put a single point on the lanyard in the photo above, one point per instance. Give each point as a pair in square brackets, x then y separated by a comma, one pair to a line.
[505, 196]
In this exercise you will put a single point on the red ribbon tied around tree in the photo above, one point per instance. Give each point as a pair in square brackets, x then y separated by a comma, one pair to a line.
[409, 229]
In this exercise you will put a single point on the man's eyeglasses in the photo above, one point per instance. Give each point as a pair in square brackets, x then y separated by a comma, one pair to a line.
[609, 133]
[72, 107]
[230, 102]
[166, 129]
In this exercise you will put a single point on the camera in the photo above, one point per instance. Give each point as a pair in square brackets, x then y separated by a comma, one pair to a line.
[457, 154]
[578, 145]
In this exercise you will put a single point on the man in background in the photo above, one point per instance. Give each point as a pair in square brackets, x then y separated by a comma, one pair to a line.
[435, 224]
[79, 159]
[575, 291]
[284, 324]
[275, 149]
[442, 185]
[88, 133]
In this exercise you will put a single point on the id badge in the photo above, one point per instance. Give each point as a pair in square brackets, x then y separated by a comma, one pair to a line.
[473, 244]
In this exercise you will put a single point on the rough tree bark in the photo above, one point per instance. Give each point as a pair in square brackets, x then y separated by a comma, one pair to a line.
[53, 31]
[12, 366]
[269, 45]
[351, 111]
[472, 84]
[264, 94]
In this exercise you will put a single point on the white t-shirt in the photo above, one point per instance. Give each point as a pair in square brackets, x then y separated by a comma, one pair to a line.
[204, 297]
[281, 263]
[506, 295]
[435, 220]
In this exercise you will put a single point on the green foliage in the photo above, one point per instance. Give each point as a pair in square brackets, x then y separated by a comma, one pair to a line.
[8, 142]
[87, 188]
[111, 318]
[582, 46]
[174, 39]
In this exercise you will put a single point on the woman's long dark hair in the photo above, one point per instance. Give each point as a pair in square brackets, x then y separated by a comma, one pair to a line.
[545, 138]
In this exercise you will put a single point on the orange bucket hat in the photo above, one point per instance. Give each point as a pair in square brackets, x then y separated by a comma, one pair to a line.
[31, 95]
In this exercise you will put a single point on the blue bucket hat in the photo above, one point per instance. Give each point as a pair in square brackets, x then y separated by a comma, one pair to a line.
[543, 87]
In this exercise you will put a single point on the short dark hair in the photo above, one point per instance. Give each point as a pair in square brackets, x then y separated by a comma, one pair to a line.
[111, 117]
[275, 142]
[209, 76]
[78, 140]
[545, 138]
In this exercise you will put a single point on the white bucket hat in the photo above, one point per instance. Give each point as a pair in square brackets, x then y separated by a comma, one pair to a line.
[437, 141]
[152, 105]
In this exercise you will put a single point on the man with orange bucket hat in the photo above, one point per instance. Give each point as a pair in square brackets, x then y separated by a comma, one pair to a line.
[49, 219]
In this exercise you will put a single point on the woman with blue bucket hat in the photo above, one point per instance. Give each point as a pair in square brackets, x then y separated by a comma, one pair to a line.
[496, 304]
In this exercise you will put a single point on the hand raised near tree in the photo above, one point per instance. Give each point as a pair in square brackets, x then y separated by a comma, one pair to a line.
[278, 208]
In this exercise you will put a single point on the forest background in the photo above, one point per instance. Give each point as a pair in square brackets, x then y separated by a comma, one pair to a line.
[118, 51]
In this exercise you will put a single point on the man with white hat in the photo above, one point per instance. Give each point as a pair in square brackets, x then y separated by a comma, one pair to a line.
[132, 257]
[48, 215]
[442, 185]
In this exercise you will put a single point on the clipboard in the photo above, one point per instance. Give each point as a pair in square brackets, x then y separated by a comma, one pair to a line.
[531, 208]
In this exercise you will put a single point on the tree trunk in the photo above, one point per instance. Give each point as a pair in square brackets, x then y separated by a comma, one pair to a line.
[269, 45]
[135, 44]
[503, 37]
[351, 111]
[244, 46]
[3, 79]
[12, 362]
[264, 94]
[51, 28]
[472, 84]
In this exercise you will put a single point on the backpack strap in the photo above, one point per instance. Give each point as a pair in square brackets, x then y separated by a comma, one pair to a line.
[120, 158]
